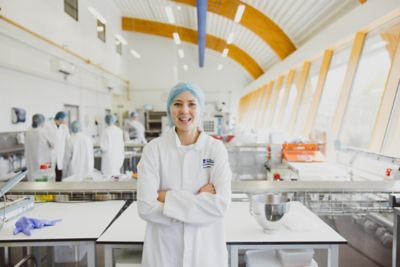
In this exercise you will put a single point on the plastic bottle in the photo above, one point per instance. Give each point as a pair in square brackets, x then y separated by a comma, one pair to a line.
[44, 173]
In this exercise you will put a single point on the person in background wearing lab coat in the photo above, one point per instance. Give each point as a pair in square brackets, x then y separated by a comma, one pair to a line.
[112, 147]
[38, 146]
[134, 129]
[184, 189]
[60, 134]
[78, 158]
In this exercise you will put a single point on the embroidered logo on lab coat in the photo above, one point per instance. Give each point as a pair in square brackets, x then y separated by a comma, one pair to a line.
[208, 163]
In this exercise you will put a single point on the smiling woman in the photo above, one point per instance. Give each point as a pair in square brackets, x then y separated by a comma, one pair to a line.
[184, 188]
[185, 104]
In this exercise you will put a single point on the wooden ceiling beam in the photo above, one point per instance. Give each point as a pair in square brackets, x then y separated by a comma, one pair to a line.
[190, 36]
[255, 21]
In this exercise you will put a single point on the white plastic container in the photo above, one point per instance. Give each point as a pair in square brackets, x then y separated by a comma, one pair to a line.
[295, 257]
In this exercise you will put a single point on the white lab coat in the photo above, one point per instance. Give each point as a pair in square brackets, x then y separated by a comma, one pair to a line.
[134, 131]
[188, 229]
[38, 146]
[78, 158]
[113, 153]
[59, 135]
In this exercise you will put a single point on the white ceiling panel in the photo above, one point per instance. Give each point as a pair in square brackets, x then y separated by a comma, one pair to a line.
[299, 19]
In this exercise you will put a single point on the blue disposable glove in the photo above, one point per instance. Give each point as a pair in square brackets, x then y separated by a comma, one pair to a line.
[25, 224]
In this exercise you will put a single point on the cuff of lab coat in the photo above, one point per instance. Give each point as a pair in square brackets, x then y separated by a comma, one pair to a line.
[176, 205]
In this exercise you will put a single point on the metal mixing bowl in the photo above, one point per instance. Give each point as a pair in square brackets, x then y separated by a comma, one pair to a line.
[269, 209]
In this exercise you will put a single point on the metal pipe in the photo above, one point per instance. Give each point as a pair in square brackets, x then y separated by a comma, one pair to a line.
[201, 28]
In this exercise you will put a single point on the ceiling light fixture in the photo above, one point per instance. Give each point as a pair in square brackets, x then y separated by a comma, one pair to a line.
[135, 54]
[170, 15]
[177, 39]
[120, 38]
[185, 67]
[219, 66]
[100, 28]
[180, 53]
[225, 52]
[230, 38]
[239, 13]
[97, 15]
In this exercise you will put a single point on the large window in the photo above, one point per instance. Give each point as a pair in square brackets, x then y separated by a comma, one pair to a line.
[290, 102]
[278, 104]
[367, 91]
[332, 88]
[71, 8]
[309, 91]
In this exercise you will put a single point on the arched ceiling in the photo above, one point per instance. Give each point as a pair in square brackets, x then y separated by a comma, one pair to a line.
[255, 21]
[269, 31]
[188, 35]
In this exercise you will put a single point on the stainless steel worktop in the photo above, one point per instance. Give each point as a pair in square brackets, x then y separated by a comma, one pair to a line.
[237, 186]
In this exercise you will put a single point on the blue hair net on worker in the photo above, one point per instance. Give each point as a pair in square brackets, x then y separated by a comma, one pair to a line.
[37, 120]
[61, 115]
[76, 127]
[179, 89]
[134, 114]
[110, 119]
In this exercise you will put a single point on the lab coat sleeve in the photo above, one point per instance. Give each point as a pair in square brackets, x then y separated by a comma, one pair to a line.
[203, 208]
[149, 208]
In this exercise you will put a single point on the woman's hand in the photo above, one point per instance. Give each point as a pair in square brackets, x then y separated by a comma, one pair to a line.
[161, 196]
[208, 188]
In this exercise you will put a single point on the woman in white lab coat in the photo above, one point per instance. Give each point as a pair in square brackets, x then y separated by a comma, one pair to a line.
[112, 147]
[38, 146]
[184, 189]
[78, 158]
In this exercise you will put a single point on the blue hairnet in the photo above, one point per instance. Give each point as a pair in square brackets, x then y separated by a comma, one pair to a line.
[179, 89]
[37, 120]
[110, 119]
[76, 127]
[61, 115]
[134, 114]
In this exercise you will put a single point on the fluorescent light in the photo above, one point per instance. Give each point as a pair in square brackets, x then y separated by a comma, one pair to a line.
[170, 15]
[176, 38]
[239, 13]
[219, 66]
[180, 53]
[135, 54]
[121, 39]
[100, 28]
[225, 52]
[97, 15]
[185, 67]
[230, 38]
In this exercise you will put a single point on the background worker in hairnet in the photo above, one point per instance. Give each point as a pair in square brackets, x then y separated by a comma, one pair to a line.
[112, 147]
[60, 134]
[38, 146]
[78, 158]
[134, 129]
[184, 189]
